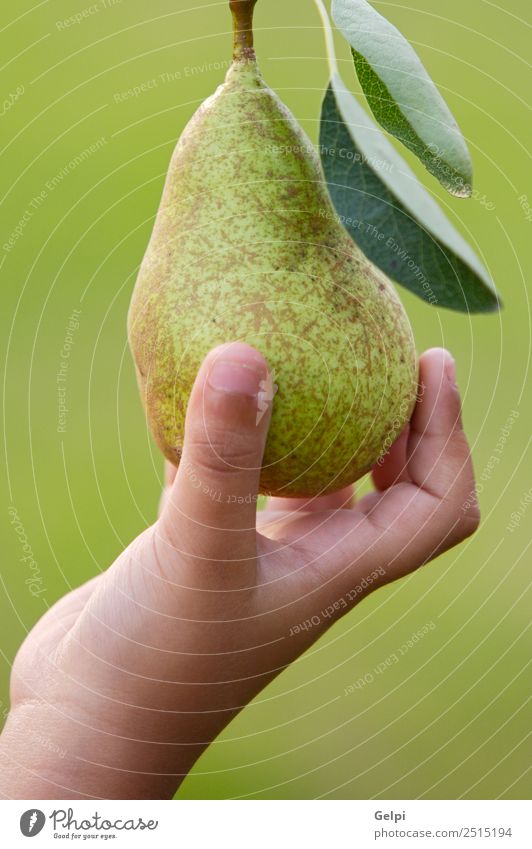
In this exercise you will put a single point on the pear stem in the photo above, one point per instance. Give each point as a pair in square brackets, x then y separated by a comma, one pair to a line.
[242, 12]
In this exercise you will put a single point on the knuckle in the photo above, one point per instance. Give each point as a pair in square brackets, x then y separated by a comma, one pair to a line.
[460, 512]
[465, 515]
[469, 520]
[227, 451]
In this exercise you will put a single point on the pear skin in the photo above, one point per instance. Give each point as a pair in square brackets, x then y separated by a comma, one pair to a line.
[247, 247]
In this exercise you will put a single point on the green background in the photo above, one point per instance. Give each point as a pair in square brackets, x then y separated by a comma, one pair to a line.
[451, 719]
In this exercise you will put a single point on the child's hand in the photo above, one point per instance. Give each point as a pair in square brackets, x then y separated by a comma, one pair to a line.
[132, 675]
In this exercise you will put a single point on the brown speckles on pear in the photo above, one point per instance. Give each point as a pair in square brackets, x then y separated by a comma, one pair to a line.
[240, 251]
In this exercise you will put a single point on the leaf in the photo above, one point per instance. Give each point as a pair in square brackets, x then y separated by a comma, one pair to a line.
[389, 214]
[402, 96]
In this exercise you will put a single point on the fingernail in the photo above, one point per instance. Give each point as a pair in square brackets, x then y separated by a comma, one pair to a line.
[235, 377]
[450, 368]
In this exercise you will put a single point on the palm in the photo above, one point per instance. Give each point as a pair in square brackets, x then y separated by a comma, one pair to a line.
[204, 608]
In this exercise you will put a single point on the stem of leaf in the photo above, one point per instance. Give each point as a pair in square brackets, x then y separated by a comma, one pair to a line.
[329, 39]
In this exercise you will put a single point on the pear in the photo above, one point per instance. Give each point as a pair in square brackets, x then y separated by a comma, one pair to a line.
[247, 246]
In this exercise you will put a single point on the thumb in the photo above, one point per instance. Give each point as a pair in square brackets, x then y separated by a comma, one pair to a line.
[211, 508]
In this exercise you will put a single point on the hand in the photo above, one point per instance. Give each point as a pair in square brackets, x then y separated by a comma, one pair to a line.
[131, 676]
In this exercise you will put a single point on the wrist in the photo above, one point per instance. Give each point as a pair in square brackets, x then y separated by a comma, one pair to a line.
[46, 753]
[110, 749]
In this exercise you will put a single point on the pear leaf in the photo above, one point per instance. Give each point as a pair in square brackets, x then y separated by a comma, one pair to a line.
[387, 212]
[402, 96]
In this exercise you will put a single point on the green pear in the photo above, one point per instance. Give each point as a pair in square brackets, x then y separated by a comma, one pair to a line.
[247, 247]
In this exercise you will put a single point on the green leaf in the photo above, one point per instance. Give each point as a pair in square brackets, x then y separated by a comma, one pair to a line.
[402, 96]
[389, 214]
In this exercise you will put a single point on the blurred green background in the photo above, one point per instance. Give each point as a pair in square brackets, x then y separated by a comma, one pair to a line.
[452, 718]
